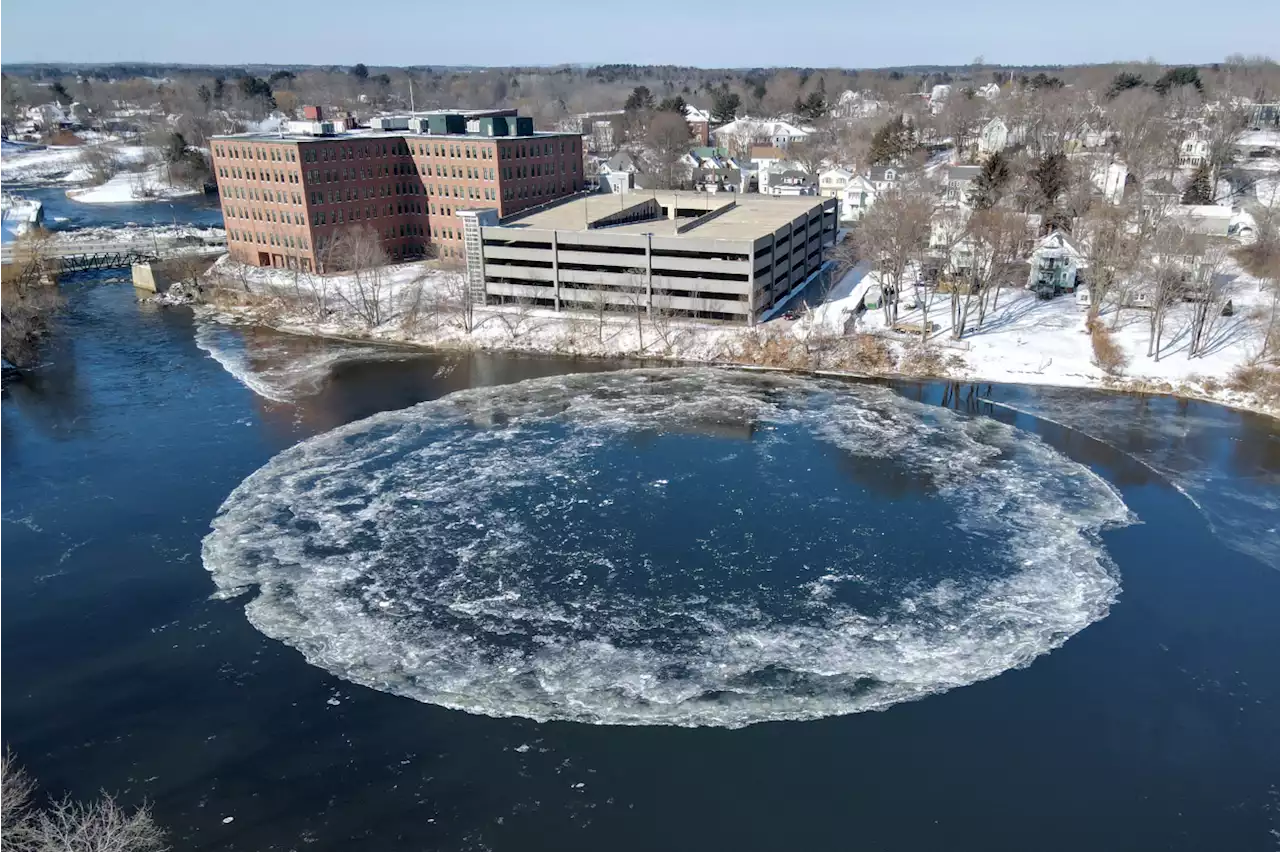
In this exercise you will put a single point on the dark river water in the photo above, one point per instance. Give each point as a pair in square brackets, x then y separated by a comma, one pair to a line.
[1130, 701]
[63, 214]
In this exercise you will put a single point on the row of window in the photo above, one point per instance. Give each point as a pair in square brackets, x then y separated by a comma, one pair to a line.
[355, 214]
[436, 170]
[277, 153]
[252, 174]
[283, 217]
[285, 240]
[254, 194]
[327, 153]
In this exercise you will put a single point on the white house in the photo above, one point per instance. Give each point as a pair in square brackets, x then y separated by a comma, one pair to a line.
[989, 92]
[993, 137]
[1109, 177]
[832, 182]
[743, 133]
[618, 173]
[856, 199]
[1193, 152]
[959, 181]
[853, 104]
[885, 178]
[1210, 219]
[1055, 265]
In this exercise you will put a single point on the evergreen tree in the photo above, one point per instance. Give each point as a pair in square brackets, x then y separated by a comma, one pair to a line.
[1200, 190]
[359, 71]
[1123, 82]
[675, 104]
[891, 142]
[1186, 76]
[60, 93]
[724, 106]
[640, 98]
[175, 148]
[990, 184]
[1050, 179]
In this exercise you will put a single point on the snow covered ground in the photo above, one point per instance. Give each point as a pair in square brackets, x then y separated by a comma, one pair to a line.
[1023, 340]
[1034, 341]
[33, 164]
[127, 187]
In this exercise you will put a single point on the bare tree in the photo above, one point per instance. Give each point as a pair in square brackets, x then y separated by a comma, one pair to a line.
[358, 251]
[1211, 293]
[454, 298]
[893, 236]
[69, 826]
[1109, 252]
[30, 297]
[1172, 255]
[668, 140]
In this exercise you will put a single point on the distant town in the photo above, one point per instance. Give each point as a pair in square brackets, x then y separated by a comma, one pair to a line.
[1085, 225]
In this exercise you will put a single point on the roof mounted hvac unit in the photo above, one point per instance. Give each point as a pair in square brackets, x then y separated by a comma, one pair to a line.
[390, 122]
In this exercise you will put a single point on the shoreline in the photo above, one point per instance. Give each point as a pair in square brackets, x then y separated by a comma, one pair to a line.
[232, 316]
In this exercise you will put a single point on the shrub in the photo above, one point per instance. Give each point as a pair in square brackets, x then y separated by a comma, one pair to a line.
[1260, 380]
[1107, 354]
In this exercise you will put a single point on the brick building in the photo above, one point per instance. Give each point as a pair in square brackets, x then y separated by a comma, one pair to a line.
[287, 197]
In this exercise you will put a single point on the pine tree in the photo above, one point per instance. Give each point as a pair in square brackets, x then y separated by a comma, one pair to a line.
[990, 184]
[892, 141]
[724, 106]
[1200, 190]
[1050, 178]
[640, 98]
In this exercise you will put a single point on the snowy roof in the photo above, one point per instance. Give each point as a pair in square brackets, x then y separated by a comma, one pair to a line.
[692, 113]
[762, 127]
[1058, 241]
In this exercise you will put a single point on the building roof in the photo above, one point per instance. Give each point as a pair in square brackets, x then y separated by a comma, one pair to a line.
[878, 172]
[963, 172]
[752, 216]
[623, 161]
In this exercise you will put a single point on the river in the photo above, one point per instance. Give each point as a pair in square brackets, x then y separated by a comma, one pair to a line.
[1152, 724]
[63, 214]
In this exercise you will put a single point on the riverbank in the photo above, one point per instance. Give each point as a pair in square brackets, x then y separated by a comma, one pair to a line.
[1024, 340]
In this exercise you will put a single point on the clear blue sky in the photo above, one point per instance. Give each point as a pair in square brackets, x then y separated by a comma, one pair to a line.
[734, 34]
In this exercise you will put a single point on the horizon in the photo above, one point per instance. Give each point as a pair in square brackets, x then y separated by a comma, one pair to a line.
[1095, 32]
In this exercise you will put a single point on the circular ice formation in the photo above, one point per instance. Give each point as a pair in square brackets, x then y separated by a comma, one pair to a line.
[683, 547]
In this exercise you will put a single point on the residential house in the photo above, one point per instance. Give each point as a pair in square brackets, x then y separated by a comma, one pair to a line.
[742, 134]
[989, 92]
[831, 183]
[1056, 262]
[885, 178]
[1109, 177]
[1193, 152]
[1211, 220]
[853, 104]
[858, 196]
[958, 183]
[620, 173]
[788, 182]
[993, 137]
[699, 124]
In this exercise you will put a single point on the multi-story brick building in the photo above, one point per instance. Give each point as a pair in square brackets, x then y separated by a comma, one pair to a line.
[287, 197]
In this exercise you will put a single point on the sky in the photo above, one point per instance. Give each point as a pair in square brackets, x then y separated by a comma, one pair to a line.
[743, 33]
